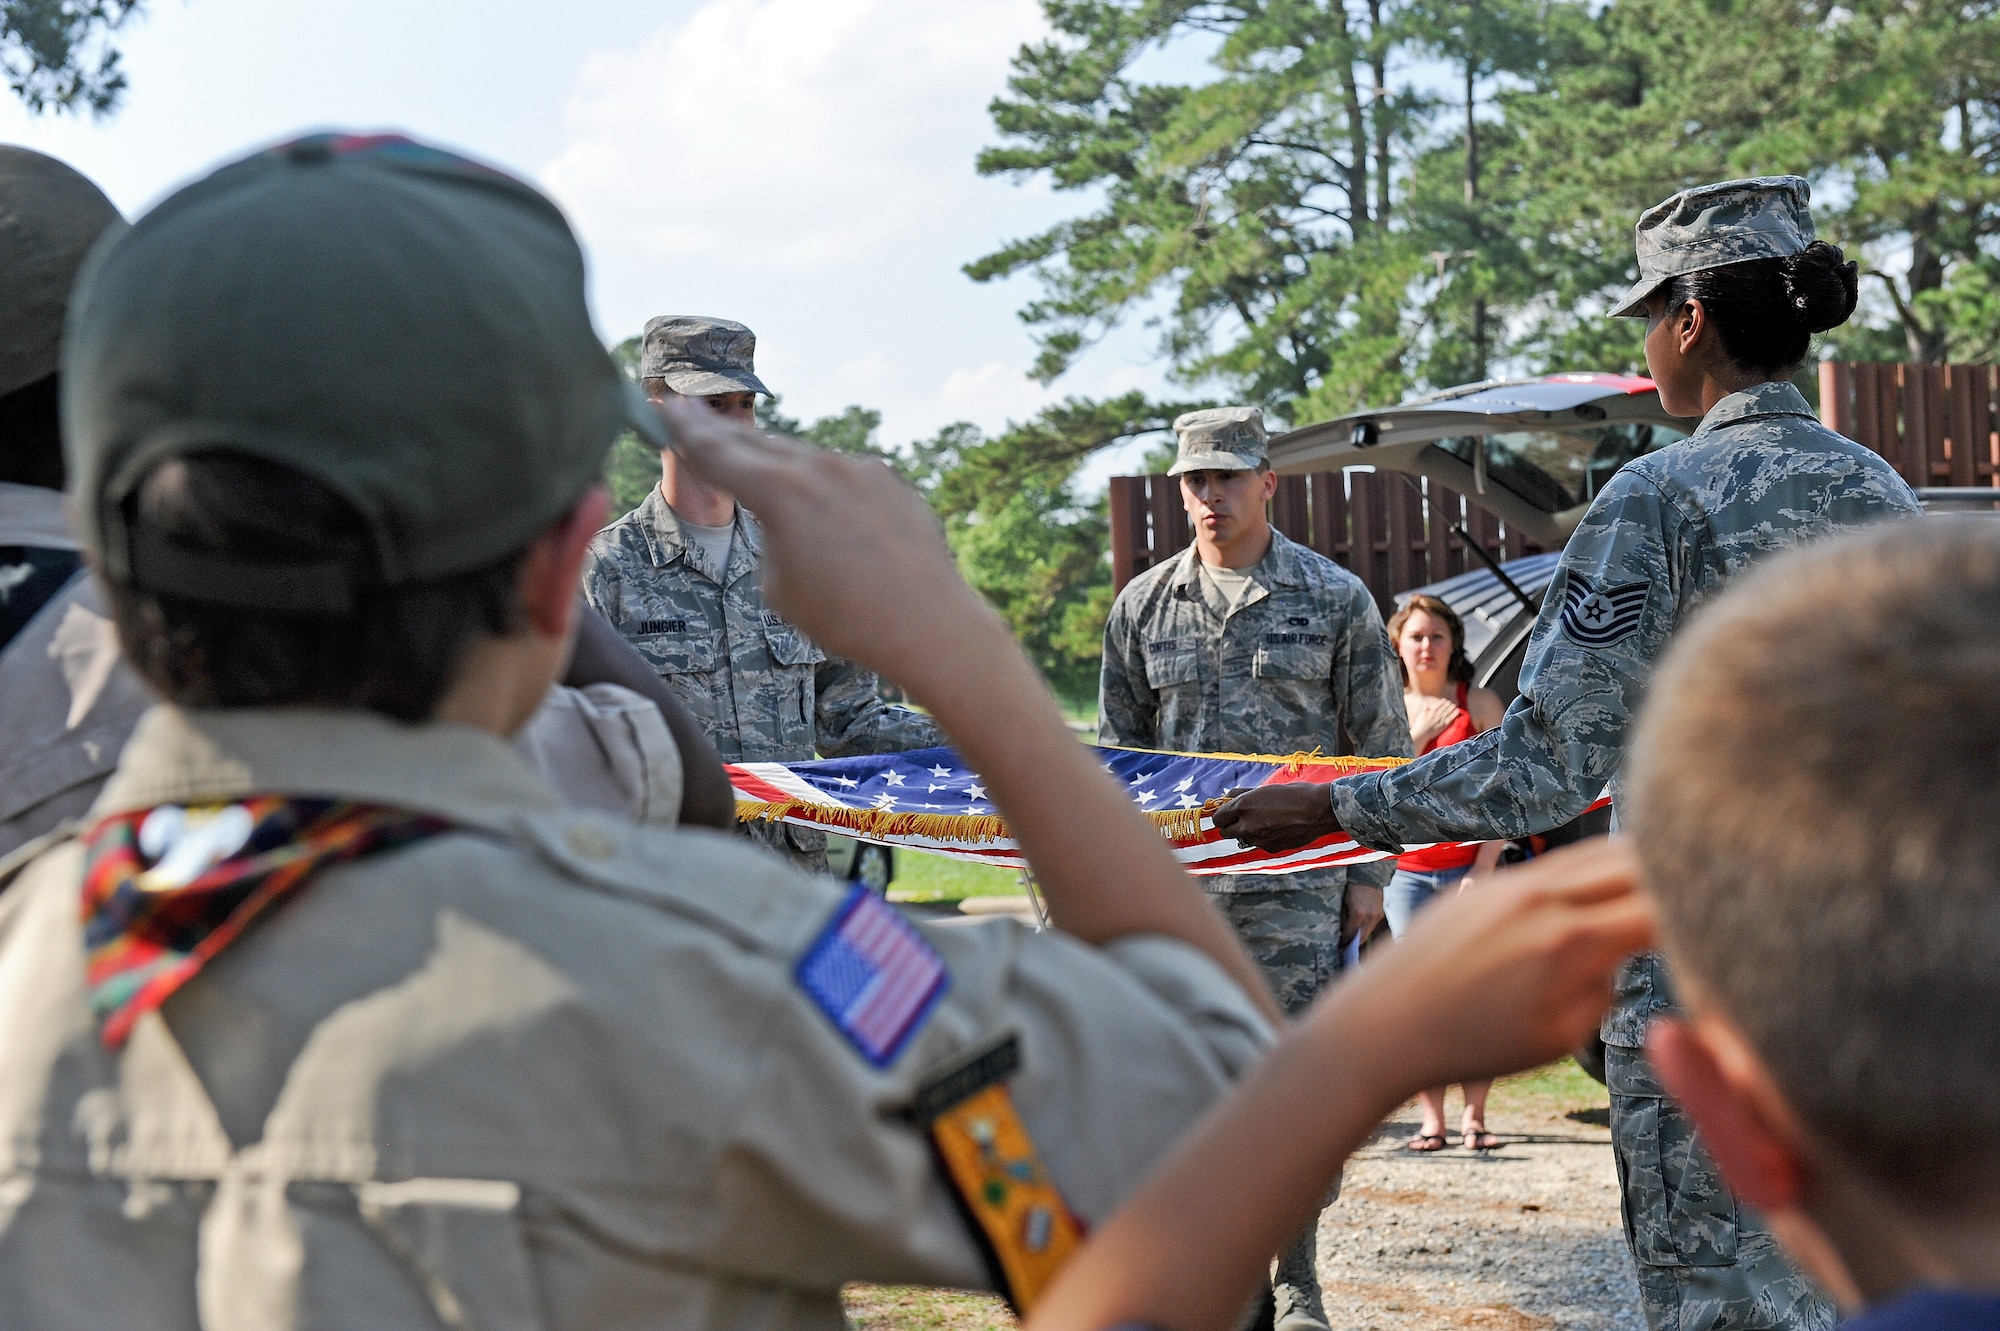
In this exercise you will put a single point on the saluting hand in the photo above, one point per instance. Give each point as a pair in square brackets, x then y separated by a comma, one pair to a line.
[852, 554]
[854, 557]
[1530, 957]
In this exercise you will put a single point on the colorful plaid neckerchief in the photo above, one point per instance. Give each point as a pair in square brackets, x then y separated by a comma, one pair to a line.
[166, 889]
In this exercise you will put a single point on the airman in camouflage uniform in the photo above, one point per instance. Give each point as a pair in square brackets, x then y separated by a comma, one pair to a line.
[761, 689]
[1297, 661]
[1759, 474]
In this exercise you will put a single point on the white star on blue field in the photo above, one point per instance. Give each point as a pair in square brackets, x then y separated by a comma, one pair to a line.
[938, 781]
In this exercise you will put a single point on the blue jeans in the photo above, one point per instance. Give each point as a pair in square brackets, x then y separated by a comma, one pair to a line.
[1410, 889]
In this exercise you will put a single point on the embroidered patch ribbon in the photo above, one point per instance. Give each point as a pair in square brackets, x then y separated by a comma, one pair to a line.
[166, 889]
[1024, 1227]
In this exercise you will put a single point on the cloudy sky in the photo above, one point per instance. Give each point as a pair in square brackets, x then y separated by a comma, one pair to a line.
[804, 166]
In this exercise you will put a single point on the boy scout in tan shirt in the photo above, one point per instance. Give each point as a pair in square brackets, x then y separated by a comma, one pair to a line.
[335, 1017]
[68, 702]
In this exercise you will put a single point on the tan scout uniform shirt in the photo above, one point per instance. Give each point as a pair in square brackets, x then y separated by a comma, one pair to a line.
[68, 703]
[535, 1074]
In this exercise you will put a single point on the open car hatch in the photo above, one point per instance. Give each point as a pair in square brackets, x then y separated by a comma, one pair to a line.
[1533, 452]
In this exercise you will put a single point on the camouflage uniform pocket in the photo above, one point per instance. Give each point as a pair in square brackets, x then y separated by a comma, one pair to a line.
[1169, 669]
[790, 647]
[678, 653]
[1677, 1211]
[1293, 934]
[1643, 991]
[1293, 660]
[805, 847]
[796, 659]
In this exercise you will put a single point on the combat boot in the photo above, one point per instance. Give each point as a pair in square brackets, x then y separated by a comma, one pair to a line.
[1295, 1289]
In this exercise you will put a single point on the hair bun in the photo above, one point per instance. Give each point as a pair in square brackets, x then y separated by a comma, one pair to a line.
[1821, 286]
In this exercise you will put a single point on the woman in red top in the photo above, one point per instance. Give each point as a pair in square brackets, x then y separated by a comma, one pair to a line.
[1444, 708]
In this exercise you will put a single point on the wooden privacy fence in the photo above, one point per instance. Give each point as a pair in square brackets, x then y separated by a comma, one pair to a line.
[1393, 531]
[1934, 423]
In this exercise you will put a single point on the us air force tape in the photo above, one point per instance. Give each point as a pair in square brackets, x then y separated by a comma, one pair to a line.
[1022, 1223]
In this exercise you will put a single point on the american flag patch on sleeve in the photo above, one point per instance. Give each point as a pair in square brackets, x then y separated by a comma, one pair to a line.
[874, 974]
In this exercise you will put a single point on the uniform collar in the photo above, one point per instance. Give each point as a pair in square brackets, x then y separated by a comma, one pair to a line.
[1281, 565]
[212, 756]
[33, 515]
[665, 542]
[1767, 399]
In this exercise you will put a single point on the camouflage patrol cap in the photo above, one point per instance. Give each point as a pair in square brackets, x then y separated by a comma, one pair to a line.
[402, 325]
[699, 356]
[1220, 439]
[1712, 225]
[50, 216]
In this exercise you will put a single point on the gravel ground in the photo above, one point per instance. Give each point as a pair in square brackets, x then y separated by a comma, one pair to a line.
[1518, 1239]
[1527, 1236]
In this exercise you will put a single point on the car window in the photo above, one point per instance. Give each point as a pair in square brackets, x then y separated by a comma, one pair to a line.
[1559, 469]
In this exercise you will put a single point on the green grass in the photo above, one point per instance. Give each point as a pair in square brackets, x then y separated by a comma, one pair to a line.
[921, 877]
[905, 1308]
[1558, 1088]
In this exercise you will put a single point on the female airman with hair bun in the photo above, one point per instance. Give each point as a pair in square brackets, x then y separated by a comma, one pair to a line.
[1732, 285]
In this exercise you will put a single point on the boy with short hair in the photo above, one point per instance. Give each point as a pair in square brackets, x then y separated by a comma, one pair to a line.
[1814, 799]
[68, 702]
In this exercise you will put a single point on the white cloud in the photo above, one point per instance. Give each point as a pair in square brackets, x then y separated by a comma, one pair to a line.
[994, 391]
[806, 167]
[791, 133]
[869, 369]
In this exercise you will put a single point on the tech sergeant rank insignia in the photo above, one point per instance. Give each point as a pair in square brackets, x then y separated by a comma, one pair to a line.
[1598, 617]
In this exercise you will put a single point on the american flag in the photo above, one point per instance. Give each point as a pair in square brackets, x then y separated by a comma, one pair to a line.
[929, 800]
[874, 975]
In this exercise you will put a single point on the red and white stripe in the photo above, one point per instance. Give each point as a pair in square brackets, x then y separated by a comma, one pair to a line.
[908, 973]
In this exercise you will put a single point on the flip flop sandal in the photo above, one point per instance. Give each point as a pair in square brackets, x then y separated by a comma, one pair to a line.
[1426, 1142]
[1480, 1140]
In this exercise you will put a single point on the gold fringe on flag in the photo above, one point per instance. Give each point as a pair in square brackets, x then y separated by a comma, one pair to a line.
[1179, 826]
[972, 829]
[968, 828]
[1338, 765]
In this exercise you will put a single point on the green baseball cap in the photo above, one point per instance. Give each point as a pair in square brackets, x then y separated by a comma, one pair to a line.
[398, 323]
[50, 216]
